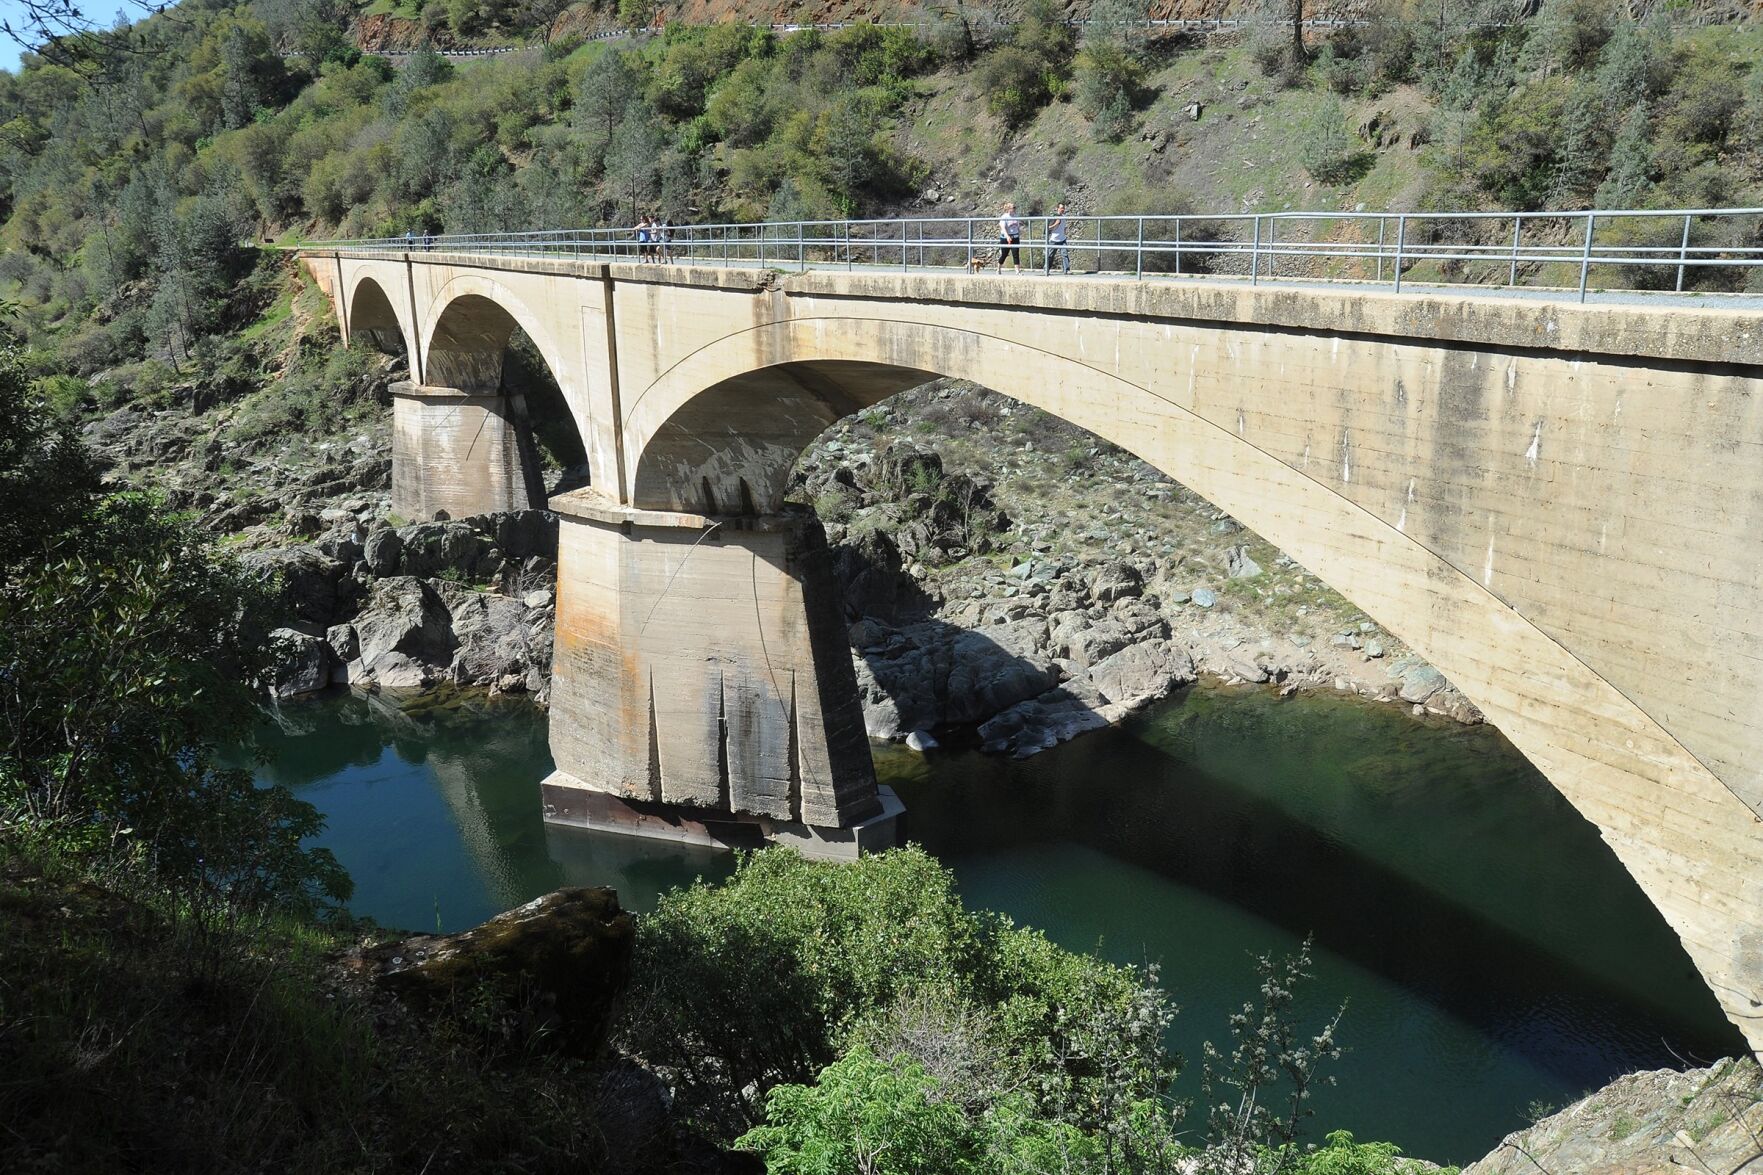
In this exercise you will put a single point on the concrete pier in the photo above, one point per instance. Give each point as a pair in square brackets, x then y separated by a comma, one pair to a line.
[702, 685]
[461, 452]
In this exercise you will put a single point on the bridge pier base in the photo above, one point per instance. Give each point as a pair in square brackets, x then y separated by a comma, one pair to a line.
[462, 452]
[702, 687]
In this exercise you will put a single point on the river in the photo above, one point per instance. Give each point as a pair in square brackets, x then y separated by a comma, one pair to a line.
[1493, 956]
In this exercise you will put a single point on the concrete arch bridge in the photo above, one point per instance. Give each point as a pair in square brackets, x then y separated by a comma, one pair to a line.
[1559, 505]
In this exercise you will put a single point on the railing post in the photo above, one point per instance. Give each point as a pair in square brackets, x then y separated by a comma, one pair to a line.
[801, 247]
[1381, 221]
[1139, 251]
[1272, 241]
[970, 268]
[1517, 231]
[1683, 252]
[1255, 255]
[1401, 240]
[902, 246]
[1178, 246]
[762, 246]
[1585, 254]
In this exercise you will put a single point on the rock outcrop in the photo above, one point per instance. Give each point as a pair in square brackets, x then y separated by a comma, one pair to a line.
[552, 969]
[1656, 1123]
[467, 602]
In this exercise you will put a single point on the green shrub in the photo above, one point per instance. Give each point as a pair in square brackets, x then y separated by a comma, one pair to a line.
[764, 980]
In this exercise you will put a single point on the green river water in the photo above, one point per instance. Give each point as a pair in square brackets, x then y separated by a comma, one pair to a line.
[1493, 954]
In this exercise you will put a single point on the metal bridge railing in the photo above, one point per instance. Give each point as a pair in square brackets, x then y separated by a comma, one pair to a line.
[1674, 250]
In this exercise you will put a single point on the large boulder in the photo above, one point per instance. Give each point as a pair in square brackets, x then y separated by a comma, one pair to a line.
[299, 663]
[522, 534]
[995, 667]
[382, 551]
[431, 548]
[1116, 581]
[1047, 720]
[491, 634]
[1143, 672]
[307, 581]
[403, 615]
[869, 569]
[555, 967]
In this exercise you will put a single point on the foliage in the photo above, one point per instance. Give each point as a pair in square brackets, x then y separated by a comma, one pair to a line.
[1259, 1092]
[863, 1114]
[126, 645]
[763, 981]
[1020, 77]
[1331, 153]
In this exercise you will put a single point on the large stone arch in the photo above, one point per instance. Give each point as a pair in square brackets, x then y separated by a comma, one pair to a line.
[726, 421]
[374, 317]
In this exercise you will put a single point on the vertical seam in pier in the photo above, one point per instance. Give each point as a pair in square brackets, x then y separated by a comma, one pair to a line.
[417, 362]
[795, 754]
[724, 790]
[607, 285]
[654, 745]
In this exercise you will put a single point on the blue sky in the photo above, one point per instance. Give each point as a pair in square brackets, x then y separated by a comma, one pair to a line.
[100, 10]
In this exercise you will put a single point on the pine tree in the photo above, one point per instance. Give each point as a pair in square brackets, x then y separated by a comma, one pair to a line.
[1631, 163]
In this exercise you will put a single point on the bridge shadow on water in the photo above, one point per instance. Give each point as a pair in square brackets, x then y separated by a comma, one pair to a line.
[1436, 859]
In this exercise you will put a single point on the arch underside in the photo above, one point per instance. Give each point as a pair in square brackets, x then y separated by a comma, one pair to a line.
[372, 318]
[725, 425]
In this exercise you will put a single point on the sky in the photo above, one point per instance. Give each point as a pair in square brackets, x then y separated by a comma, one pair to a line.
[101, 10]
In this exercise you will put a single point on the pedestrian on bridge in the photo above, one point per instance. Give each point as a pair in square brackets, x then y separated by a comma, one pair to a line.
[1009, 238]
[645, 238]
[1058, 230]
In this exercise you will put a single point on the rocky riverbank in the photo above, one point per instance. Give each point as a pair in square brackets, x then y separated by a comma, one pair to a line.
[1655, 1123]
[1004, 573]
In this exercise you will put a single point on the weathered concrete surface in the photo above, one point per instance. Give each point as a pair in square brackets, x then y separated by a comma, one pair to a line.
[702, 663]
[1559, 506]
[461, 453]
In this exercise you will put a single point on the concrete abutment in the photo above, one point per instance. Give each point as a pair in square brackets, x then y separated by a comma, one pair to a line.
[702, 686]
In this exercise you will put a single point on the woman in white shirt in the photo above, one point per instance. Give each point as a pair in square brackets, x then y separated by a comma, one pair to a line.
[1009, 238]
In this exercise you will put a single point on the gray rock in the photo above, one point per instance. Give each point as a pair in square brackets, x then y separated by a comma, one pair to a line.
[1420, 682]
[491, 634]
[433, 547]
[921, 741]
[521, 534]
[343, 641]
[994, 668]
[1239, 565]
[1374, 649]
[1116, 581]
[1097, 641]
[404, 615]
[1205, 597]
[300, 663]
[538, 599]
[1047, 720]
[398, 671]
[308, 583]
[382, 551]
[1143, 672]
